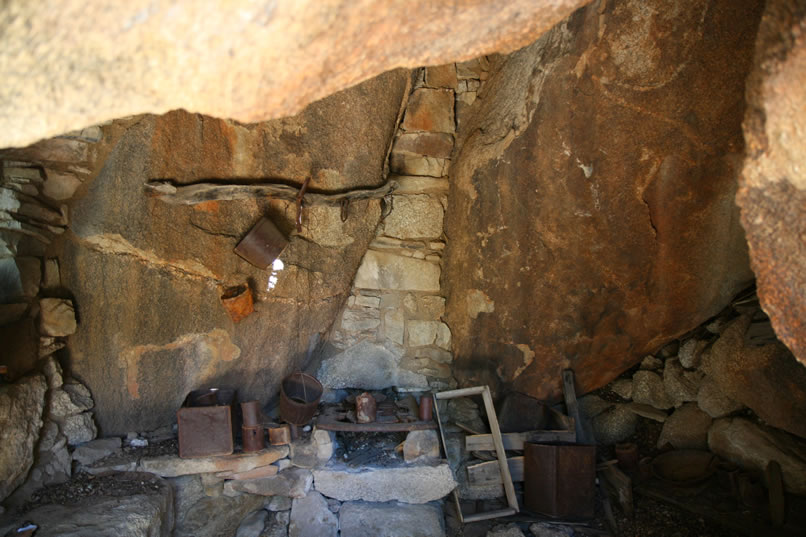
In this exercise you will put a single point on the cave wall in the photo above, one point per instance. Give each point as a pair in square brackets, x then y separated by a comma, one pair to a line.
[592, 213]
[147, 276]
[83, 64]
[772, 193]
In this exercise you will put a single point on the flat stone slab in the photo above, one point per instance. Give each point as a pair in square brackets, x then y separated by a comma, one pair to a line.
[294, 483]
[361, 519]
[174, 466]
[413, 484]
[138, 515]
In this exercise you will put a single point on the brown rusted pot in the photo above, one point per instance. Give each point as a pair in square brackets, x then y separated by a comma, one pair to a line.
[253, 438]
[237, 301]
[299, 398]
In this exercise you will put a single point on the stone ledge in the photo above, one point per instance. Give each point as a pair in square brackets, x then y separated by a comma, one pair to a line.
[174, 466]
[413, 484]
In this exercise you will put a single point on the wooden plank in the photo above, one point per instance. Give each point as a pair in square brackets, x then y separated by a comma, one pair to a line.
[515, 441]
[488, 515]
[584, 434]
[375, 427]
[621, 486]
[775, 486]
[462, 392]
[509, 488]
[488, 473]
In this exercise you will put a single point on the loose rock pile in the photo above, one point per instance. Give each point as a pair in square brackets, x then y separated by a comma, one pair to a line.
[729, 387]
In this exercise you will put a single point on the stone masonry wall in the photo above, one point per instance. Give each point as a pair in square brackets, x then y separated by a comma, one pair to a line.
[394, 315]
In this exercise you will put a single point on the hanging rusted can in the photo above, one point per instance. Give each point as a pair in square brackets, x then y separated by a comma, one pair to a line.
[238, 302]
[262, 245]
[280, 436]
[365, 408]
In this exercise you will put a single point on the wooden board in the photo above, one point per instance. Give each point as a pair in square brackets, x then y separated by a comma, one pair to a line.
[484, 442]
[489, 473]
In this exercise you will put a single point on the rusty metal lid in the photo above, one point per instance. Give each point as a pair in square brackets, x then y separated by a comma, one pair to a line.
[262, 245]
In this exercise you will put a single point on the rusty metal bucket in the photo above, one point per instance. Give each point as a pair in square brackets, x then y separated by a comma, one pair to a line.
[238, 302]
[299, 398]
[262, 245]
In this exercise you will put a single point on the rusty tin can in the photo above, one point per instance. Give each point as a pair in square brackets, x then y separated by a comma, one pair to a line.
[426, 410]
[253, 439]
[365, 408]
[262, 245]
[238, 302]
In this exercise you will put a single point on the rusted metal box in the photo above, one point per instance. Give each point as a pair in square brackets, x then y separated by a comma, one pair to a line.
[559, 480]
[207, 423]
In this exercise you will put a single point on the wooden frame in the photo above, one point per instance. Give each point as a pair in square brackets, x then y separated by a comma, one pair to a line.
[506, 477]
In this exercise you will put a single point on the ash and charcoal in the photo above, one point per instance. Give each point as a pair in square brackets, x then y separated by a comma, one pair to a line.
[85, 485]
[358, 450]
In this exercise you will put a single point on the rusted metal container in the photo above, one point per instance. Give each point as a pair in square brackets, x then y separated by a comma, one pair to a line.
[250, 411]
[299, 398]
[280, 436]
[238, 302]
[426, 410]
[206, 423]
[262, 245]
[253, 438]
[559, 480]
[365, 408]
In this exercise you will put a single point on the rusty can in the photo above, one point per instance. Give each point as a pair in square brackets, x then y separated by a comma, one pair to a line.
[365, 408]
[238, 302]
[251, 413]
[426, 407]
[253, 439]
[280, 436]
[262, 245]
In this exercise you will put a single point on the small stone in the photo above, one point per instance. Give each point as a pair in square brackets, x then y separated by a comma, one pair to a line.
[716, 326]
[622, 388]
[79, 428]
[51, 278]
[138, 442]
[359, 321]
[681, 386]
[253, 524]
[61, 405]
[443, 340]
[295, 482]
[690, 352]
[614, 425]
[79, 395]
[670, 349]
[316, 450]
[394, 324]
[421, 447]
[686, 428]
[333, 505]
[472, 68]
[648, 389]
[410, 303]
[647, 411]
[650, 363]
[430, 110]
[510, 530]
[96, 450]
[360, 519]
[56, 317]
[53, 372]
[61, 150]
[50, 436]
[49, 345]
[714, 402]
[592, 405]
[367, 301]
[414, 217]
[381, 270]
[60, 186]
[310, 517]
[278, 503]
[277, 526]
[413, 484]
[425, 143]
[422, 333]
[441, 76]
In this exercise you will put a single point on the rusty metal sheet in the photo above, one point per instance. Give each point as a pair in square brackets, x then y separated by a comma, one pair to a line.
[262, 245]
[206, 430]
[559, 481]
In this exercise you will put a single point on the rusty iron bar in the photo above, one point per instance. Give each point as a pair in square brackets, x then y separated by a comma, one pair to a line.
[299, 203]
